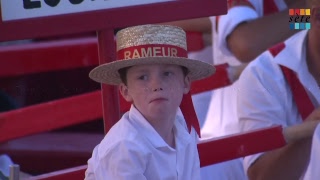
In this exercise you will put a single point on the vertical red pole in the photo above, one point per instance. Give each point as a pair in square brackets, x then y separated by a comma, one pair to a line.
[110, 98]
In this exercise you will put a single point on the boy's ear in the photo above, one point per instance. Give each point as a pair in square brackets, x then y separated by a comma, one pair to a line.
[187, 85]
[125, 92]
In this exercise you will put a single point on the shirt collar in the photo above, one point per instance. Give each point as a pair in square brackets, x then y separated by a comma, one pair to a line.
[182, 136]
[294, 57]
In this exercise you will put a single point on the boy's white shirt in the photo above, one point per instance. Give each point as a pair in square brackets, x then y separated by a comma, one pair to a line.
[132, 149]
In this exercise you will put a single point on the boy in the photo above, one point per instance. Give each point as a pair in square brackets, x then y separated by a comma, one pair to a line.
[151, 141]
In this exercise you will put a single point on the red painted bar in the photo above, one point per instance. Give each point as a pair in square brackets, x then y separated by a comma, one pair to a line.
[240, 145]
[58, 111]
[110, 18]
[71, 173]
[212, 151]
[110, 98]
[49, 116]
[37, 57]
[218, 80]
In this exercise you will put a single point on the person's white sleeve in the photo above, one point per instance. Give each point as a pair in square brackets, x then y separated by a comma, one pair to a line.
[314, 164]
[124, 161]
[228, 22]
[260, 99]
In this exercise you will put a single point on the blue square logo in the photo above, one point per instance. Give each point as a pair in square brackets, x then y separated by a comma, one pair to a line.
[291, 26]
[302, 26]
[296, 25]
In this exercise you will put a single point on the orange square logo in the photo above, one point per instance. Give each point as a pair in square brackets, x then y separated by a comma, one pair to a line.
[291, 12]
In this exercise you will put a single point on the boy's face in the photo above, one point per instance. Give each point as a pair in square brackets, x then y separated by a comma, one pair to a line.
[155, 90]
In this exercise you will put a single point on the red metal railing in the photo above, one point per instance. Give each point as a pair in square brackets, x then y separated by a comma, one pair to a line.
[101, 20]
[88, 22]
[67, 54]
[231, 147]
[63, 54]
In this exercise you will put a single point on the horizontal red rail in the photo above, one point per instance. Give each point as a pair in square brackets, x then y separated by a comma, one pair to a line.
[240, 145]
[71, 173]
[74, 110]
[77, 109]
[37, 57]
[63, 54]
[110, 18]
[210, 152]
[49, 116]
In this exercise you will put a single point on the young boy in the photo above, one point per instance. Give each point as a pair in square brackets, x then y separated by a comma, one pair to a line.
[151, 141]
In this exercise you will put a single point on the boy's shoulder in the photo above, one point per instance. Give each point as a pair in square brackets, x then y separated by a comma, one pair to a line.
[123, 130]
[122, 135]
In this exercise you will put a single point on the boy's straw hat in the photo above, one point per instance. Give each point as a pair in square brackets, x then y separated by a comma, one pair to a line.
[150, 44]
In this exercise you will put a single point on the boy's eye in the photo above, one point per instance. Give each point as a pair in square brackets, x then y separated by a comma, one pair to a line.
[143, 77]
[168, 73]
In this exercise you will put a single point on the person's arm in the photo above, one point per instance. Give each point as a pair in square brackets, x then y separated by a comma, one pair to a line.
[263, 101]
[271, 164]
[312, 171]
[251, 38]
[284, 163]
[198, 24]
[201, 25]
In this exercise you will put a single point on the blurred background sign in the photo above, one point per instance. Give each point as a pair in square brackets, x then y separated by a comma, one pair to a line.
[23, 9]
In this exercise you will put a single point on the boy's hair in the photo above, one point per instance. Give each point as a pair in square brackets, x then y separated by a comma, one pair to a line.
[123, 73]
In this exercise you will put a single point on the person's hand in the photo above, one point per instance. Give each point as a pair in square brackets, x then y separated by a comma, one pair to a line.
[314, 116]
[300, 131]
[304, 130]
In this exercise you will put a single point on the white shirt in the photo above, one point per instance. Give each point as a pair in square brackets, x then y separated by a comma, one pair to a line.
[265, 98]
[133, 150]
[314, 164]
[221, 118]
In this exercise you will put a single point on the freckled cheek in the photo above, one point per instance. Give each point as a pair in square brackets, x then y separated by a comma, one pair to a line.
[175, 87]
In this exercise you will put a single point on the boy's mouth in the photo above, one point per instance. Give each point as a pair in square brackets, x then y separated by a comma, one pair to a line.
[158, 100]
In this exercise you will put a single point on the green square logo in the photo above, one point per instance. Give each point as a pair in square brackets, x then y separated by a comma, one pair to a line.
[308, 26]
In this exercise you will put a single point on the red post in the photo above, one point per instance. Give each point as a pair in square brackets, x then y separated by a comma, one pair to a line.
[110, 98]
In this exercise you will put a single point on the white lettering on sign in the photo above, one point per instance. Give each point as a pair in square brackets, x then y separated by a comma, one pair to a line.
[23, 9]
[151, 52]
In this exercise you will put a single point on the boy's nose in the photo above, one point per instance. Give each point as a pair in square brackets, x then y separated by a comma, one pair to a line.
[157, 89]
[156, 84]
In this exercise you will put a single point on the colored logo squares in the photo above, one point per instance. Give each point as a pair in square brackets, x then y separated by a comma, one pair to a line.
[299, 12]
[299, 26]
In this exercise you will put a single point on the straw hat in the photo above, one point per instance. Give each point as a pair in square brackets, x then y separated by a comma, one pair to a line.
[150, 44]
